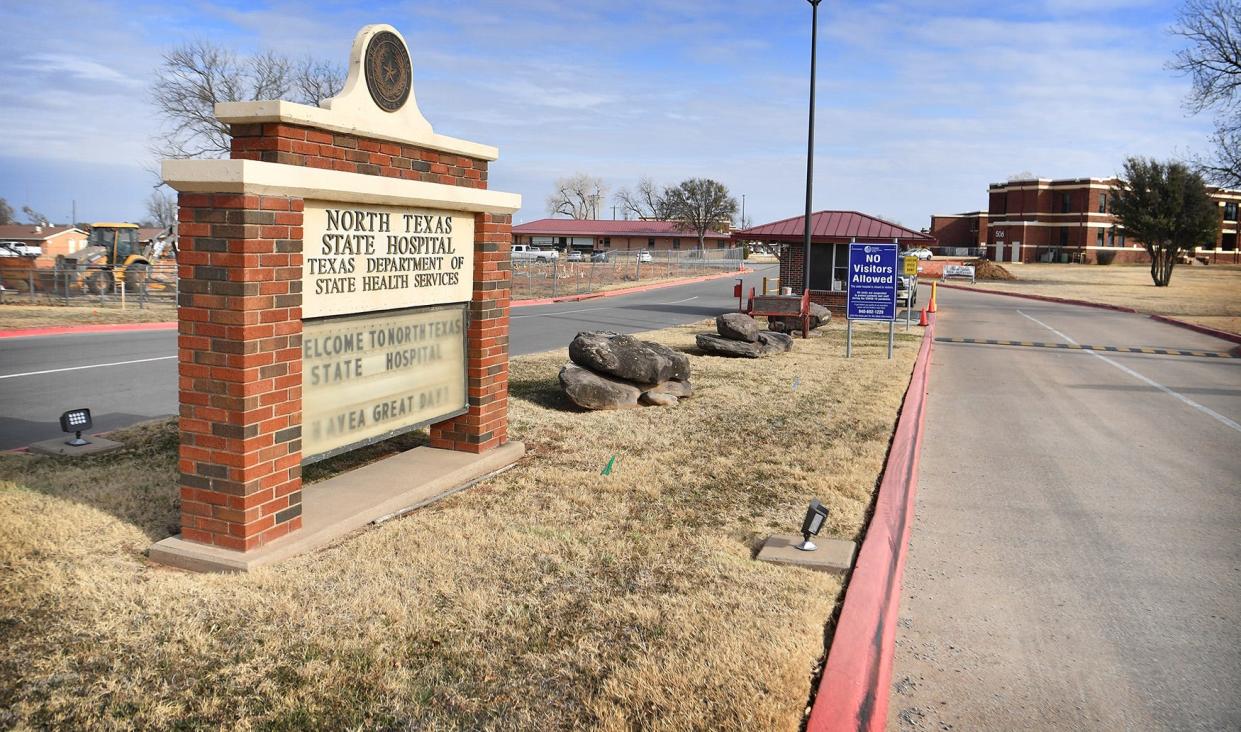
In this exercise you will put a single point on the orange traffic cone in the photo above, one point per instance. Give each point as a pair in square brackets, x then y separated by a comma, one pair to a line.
[923, 320]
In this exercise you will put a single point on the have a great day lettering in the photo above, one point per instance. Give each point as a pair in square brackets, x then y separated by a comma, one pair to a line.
[363, 258]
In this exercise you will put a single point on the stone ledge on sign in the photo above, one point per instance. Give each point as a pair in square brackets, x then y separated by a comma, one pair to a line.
[352, 111]
[347, 502]
[263, 178]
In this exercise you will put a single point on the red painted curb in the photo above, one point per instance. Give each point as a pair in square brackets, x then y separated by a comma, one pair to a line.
[626, 291]
[1204, 329]
[1044, 298]
[75, 329]
[853, 693]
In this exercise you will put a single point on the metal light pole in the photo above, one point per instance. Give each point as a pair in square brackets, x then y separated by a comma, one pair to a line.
[814, 43]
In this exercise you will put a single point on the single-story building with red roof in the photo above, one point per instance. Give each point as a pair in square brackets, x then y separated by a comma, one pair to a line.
[51, 240]
[830, 235]
[601, 235]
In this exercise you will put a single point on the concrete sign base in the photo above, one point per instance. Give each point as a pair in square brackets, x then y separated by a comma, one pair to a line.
[342, 504]
[57, 446]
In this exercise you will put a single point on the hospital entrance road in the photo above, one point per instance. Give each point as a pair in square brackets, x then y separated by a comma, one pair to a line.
[1075, 561]
[126, 377]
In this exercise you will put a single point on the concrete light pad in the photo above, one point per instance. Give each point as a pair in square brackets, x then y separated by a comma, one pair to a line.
[339, 505]
[57, 446]
[833, 555]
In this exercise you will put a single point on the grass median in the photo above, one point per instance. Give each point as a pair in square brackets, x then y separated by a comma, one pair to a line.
[19, 315]
[549, 597]
[1208, 295]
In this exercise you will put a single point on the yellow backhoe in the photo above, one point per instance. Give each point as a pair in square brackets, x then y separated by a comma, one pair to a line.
[112, 255]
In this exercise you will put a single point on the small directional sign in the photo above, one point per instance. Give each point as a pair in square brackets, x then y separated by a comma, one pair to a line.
[911, 266]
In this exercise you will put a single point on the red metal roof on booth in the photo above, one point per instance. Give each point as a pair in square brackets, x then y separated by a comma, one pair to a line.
[607, 227]
[833, 226]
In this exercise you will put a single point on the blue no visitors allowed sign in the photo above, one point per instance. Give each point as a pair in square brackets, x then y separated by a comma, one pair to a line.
[872, 282]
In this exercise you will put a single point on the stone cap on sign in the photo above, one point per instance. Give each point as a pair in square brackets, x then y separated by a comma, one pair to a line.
[254, 176]
[382, 75]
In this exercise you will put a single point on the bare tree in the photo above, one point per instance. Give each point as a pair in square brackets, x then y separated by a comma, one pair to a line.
[162, 208]
[1166, 207]
[33, 216]
[578, 197]
[6, 213]
[701, 204]
[647, 201]
[1213, 63]
[196, 76]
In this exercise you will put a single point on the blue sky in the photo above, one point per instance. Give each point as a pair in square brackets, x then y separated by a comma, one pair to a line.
[921, 104]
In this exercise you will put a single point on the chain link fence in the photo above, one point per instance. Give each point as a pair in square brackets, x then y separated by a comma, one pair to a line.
[616, 269]
[138, 286]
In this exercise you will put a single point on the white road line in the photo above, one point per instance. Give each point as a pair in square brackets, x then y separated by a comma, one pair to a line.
[587, 310]
[1205, 410]
[91, 366]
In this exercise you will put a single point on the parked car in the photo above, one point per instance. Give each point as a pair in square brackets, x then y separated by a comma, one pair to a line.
[921, 253]
[644, 256]
[906, 290]
[575, 256]
[601, 256]
[534, 254]
[17, 249]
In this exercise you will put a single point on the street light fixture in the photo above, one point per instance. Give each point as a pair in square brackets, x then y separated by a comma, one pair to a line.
[814, 43]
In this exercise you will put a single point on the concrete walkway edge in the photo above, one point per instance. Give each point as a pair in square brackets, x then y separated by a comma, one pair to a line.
[853, 693]
[627, 290]
[76, 329]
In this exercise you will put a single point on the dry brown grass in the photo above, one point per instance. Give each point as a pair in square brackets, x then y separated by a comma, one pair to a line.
[1210, 295]
[550, 597]
[18, 315]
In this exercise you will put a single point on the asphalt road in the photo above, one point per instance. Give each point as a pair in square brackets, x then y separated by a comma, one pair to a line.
[1076, 557]
[127, 377]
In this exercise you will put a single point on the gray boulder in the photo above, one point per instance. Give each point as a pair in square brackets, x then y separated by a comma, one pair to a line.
[717, 346]
[679, 389]
[819, 316]
[775, 342]
[737, 327]
[597, 391]
[628, 358]
[658, 399]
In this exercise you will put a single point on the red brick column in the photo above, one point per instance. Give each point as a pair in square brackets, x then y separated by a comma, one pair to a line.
[486, 424]
[240, 335]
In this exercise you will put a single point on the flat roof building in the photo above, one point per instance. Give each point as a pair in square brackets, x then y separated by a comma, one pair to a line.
[601, 235]
[1069, 220]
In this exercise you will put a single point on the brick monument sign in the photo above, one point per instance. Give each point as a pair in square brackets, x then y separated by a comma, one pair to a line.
[344, 278]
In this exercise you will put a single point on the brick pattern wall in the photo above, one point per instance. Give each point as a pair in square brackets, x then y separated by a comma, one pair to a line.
[792, 274]
[239, 342]
[486, 424]
[312, 148]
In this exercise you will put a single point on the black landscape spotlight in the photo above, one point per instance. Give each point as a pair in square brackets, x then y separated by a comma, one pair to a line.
[76, 420]
[816, 516]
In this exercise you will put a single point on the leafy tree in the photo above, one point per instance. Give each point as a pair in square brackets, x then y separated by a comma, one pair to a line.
[1166, 206]
[700, 204]
[647, 201]
[33, 216]
[194, 77]
[578, 197]
[6, 213]
[1213, 62]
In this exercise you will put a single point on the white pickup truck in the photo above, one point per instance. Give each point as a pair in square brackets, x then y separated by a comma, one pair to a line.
[534, 254]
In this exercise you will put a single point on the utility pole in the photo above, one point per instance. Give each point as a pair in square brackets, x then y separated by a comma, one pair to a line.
[814, 42]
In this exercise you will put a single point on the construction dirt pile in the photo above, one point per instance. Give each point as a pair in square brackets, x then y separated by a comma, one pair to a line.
[985, 269]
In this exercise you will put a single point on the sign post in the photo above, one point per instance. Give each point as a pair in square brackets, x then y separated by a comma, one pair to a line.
[871, 288]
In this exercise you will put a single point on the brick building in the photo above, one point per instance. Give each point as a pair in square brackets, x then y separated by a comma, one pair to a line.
[960, 235]
[830, 235]
[1070, 220]
[52, 240]
[602, 235]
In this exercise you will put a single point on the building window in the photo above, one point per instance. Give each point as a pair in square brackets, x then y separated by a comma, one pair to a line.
[1064, 236]
[1103, 202]
[1122, 238]
[650, 243]
[1111, 237]
[676, 243]
[607, 242]
[1228, 242]
[1066, 202]
[1230, 211]
[1098, 241]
